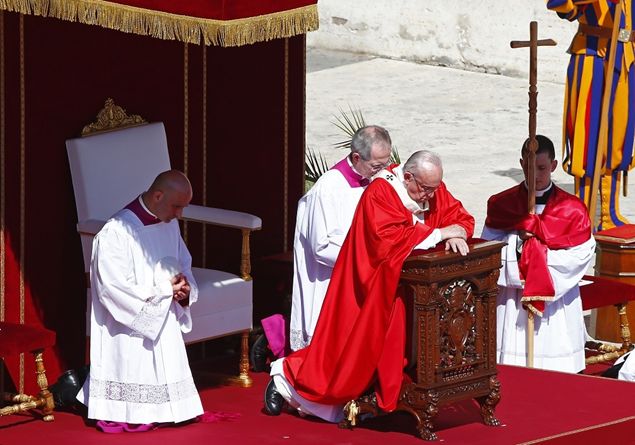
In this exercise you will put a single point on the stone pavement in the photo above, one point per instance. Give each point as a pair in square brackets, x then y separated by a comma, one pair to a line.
[476, 122]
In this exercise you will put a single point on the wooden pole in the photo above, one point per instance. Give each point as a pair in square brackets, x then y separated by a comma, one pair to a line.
[533, 45]
[604, 115]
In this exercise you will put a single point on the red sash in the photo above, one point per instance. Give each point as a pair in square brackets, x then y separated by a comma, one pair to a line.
[563, 223]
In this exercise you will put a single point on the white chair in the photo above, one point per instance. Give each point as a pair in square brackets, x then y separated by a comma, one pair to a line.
[117, 158]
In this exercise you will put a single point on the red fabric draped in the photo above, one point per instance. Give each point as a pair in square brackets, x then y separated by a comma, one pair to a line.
[563, 223]
[217, 9]
[360, 335]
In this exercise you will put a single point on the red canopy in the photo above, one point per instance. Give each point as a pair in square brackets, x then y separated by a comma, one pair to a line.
[212, 22]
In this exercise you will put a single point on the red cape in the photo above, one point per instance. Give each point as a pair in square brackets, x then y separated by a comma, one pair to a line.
[360, 335]
[563, 223]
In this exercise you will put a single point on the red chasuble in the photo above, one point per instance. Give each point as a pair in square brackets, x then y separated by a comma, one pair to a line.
[563, 223]
[360, 335]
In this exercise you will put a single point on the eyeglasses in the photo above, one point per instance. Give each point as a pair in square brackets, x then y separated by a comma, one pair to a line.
[377, 167]
[424, 188]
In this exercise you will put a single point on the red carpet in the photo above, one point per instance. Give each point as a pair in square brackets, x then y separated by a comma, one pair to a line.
[536, 407]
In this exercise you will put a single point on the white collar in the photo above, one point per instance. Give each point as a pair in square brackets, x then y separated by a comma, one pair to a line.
[540, 192]
[144, 206]
[396, 180]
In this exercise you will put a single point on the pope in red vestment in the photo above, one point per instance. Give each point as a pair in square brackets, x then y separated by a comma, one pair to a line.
[360, 336]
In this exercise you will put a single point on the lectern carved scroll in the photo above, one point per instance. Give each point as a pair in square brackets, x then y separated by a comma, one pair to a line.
[451, 304]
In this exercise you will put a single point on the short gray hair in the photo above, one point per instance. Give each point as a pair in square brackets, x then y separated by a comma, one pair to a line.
[364, 139]
[418, 158]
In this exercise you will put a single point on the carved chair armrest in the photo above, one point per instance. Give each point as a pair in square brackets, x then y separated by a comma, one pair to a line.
[228, 218]
[221, 217]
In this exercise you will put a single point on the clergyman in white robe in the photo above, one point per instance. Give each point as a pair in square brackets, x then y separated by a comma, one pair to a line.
[139, 371]
[559, 334]
[323, 218]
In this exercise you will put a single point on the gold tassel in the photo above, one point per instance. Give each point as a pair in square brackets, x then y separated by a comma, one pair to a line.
[168, 26]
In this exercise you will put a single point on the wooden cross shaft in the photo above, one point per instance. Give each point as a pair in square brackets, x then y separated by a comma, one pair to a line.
[533, 43]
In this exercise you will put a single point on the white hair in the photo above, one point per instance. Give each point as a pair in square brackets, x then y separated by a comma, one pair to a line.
[417, 160]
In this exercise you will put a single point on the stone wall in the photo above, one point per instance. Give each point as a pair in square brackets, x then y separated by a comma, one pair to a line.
[446, 33]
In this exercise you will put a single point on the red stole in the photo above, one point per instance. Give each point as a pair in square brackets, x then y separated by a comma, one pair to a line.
[563, 223]
[360, 335]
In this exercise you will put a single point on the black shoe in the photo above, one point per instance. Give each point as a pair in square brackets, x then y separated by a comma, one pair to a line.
[67, 386]
[273, 400]
[259, 353]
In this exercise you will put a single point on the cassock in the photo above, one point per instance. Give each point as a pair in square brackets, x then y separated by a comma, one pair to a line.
[544, 277]
[359, 339]
[323, 218]
[139, 371]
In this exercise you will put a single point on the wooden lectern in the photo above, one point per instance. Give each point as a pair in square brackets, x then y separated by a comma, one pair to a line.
[614, 259]
[451, 303]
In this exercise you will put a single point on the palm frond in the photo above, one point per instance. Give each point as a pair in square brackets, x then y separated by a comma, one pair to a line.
[315, 165]
[394, 156]
[349, 122]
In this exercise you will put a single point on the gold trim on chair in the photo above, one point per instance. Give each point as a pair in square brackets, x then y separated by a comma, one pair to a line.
[23, 402]
[112, 117]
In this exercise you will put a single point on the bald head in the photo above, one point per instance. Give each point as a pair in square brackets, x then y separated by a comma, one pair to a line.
[171, 180]
[424, 160]
[168, 195]
[368, 138]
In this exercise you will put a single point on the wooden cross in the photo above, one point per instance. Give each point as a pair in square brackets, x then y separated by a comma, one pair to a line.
[533, 43]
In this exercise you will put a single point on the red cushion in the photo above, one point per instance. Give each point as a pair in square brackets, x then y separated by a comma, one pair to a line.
[605, 292]
[16, 338]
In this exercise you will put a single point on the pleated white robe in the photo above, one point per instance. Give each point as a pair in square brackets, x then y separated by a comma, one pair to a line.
[139, 368]
[324, 216]
[559, 334]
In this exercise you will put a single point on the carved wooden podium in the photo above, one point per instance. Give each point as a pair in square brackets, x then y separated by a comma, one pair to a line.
[451, 303]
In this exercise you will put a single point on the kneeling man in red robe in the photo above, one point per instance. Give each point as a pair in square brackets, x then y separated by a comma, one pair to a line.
[359, 341]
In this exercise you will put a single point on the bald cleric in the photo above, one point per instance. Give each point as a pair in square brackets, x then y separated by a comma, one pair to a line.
[141, 290]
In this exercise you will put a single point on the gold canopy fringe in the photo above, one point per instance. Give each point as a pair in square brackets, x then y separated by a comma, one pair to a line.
[168, 26]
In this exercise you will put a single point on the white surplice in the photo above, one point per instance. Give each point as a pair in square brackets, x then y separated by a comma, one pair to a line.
[139, 371]
[324, 216]
[560, 333]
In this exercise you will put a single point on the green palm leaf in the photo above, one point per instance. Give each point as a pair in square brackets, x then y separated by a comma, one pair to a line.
[349, 122]
[315, 165]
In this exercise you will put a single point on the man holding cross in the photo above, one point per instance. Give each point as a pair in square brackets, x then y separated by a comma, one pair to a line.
[547, 254]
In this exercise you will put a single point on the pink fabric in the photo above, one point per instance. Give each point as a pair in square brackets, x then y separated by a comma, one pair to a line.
[107, 426]
[216, 416]
[276, 332]
[354, 179]
[110, 427]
